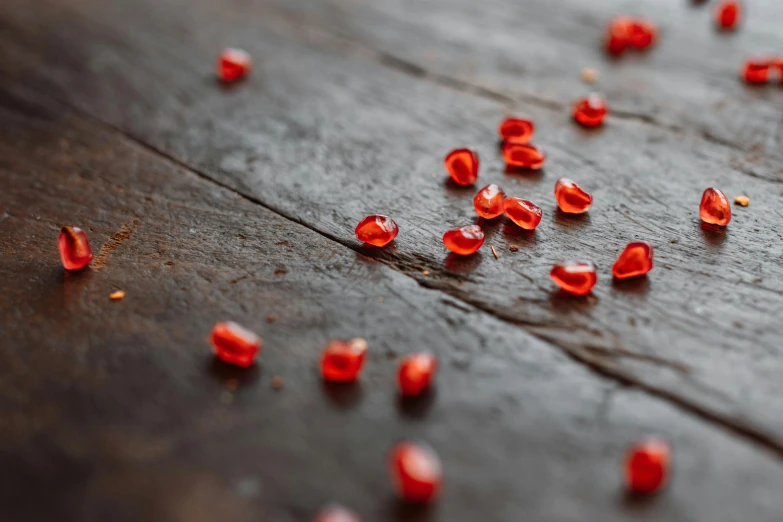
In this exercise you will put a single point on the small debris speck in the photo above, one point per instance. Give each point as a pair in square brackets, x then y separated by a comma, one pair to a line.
[281, 271]
[277, 382]
[589, 75]
[232, 384]
[227, 398]
[513, 248]
[380, 299]
[270, 318]
[425, 272]
[494, 253]
[116, 296]
[742, 201]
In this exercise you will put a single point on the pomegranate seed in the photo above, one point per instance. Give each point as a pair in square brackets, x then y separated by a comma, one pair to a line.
[715, 208]
[234, 64]
[489, 201]
[590, 111]
[575, 277]
[416, 471]
[642, 33]
[523, 156]
[336, 513]
[342, 360]
[75, 251]
[756, 70]
[618, 34]
[377, 230]
[416, 373]
[524, 213]
[464, 240]
[635, 260]
[463, 166]
[516, 130]
[571, 198]
[235, 344]
[647, 465]
[728, 15]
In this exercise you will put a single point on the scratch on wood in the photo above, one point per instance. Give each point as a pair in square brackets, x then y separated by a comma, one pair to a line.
[113, 243]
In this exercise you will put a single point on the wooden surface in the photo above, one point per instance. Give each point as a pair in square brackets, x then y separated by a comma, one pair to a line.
[206, 202]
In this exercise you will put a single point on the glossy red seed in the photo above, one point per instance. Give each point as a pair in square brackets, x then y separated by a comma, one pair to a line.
[591, 110]
[757, 69]
[571, 198]
[342, 361]
[463, 166]
[336, 513]
[618, 34]
[728, 15]
[523, 156]
[488, 202]
[75, 251]
[464, 240]
[714, 208]
[635, 260]
[646, 466]
[575, 277]
[235, 344]
[233, 64]
[377, 230]
[524, 213]
[416, 373]
[416, 472]
[642, 33]
[516, 130]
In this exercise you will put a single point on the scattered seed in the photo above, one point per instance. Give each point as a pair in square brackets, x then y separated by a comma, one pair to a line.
[742, 201]
[119, 294]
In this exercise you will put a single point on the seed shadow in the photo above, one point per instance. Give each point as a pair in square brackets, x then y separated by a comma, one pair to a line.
[407, 512]
[227, 87]
[528, 174]
[343, 395]
[416, 407]
[455, 189]
[714, 235]
[564, 302]
[375, 252]
[569, 220]
[515, 234]
[633, 285]
[457, 264]
[637, 502]
[222, 371]
[489, 226]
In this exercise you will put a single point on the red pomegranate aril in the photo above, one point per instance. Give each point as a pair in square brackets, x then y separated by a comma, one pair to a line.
[234, 64]
[715, 208]
[342, 360]
[523, 156]
[618, 34]
[646, 466]
[642, 33]
[464, 240]
[377, 230]
[591, 110]
[575, 277]
[74, 247]
[522, 212]
[416, 472]
[488, 202]
[416, 373]
[235, 344]
[516, 130]
[336, 513]
[463, 166]
[635, 260]
[756, 70]
[728, 15]
[571, 198]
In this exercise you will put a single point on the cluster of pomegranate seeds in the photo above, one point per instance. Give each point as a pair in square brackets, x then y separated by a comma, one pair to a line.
[342, 360]
[571, 198]
[627, 31]
[463, 166]
[715, 208]
[647, 466]
[591, 110]
[636, 260]
[522, 212]
[336, 513]
[416, 373]
[75, 251]
[235, 344]
[575, 277]
[233, 65]
[521, 156]
[728, 15]
[377, 230]
[488, 202]
[464, 240]
[416, 471]
[516, 130]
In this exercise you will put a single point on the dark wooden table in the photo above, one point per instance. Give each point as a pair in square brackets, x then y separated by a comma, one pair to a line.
[207, 202]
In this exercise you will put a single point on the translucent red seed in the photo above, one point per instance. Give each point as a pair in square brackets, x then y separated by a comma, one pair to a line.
[336, 513]
[522, 212]
[618, 34]
[488, 202]
[416, 373]
[463, 166]
[342, 360]
[75, 251]
[575, 277]
[646, 466]
[728, 15]
[516, 130]
[377, 230]
[715, 208]
[464, 240]
[571, 198]
[523, 156]
[235, 344]
[591, 110]
[643, 33]
[757, 70]
[416, 472]
[233, 64]
[636, 260]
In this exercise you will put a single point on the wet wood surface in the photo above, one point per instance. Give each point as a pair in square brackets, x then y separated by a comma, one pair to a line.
[206, 202]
